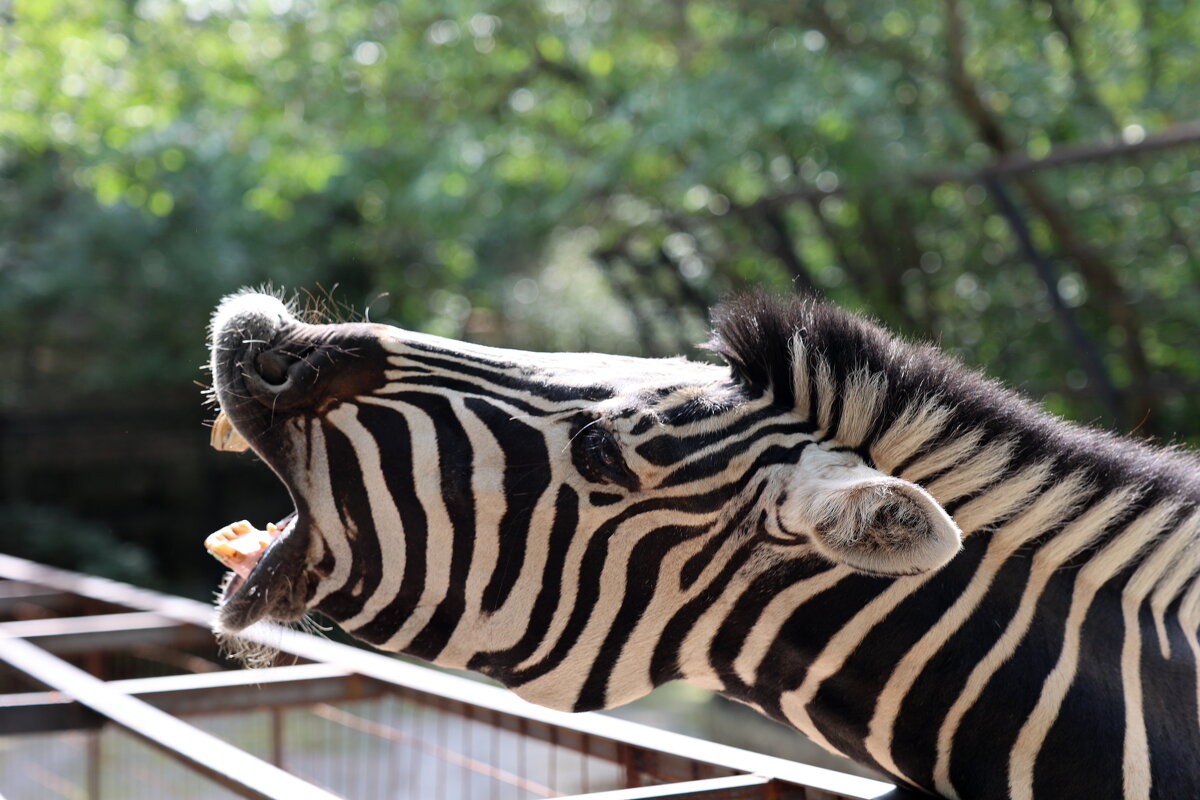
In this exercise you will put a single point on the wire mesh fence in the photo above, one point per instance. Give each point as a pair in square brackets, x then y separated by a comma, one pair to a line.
[362, 750]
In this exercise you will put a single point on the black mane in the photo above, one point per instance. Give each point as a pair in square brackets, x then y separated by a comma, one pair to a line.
[754, 333]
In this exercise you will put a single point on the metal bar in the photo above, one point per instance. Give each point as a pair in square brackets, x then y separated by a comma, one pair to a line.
[731, 787]
[214, 758]
[12, 599]
[209, 692]
[108, 591]
[10, 588]
[277, 736]
[94, 756]
[594, 734]
[44, 712]
[104, 632]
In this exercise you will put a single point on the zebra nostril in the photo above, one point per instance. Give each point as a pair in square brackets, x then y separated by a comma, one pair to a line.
[273, 366]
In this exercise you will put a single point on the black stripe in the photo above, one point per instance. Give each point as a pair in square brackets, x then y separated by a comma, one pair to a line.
[548, 391]
[691, 570]
[668, 448]
[592, 565]
[665, 663]
[354, 509]
[843, 706]
[1169, 704]
[455, 456]
[1006, 702]
[604, 498]
[391, 431]
[526, 478]
[467, 388]
[835, 407]
[731, 637]
[808, 629]
[717, 462]
[500, 663]
[914, 741]
[1094, 706]
[453, 352]
[642, 573]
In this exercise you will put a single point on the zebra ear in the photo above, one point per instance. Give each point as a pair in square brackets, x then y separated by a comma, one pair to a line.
[866, 519]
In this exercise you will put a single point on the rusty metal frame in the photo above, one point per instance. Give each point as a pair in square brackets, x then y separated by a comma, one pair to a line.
[328, 672]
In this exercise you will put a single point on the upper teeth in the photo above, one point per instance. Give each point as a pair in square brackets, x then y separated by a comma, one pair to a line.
[225, 437]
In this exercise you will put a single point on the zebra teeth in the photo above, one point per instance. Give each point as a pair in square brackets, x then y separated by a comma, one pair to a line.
[240, 546]
[225, 437]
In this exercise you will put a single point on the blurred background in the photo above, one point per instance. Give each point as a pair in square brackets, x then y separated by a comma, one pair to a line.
[1017, 181]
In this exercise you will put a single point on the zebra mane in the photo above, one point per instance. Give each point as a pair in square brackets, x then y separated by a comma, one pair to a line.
[853, 380]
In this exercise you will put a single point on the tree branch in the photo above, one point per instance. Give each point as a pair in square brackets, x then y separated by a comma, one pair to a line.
[1010, 164]
[1096, 270]
[1085, 349]
[1065, 21]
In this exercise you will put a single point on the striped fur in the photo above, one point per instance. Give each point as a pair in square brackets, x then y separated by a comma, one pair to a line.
[584, 528]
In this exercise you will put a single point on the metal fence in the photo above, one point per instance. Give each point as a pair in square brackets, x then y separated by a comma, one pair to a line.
[110, 691]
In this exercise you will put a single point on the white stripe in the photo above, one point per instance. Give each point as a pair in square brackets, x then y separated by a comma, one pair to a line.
[978, 471]
[766, 628]
[944, 457]
[1073, 538]
[825, 396]
[694, 651]
[1099, 569]
[388, 527]
[487, 487]
[1189, 620]
[323, 514]
[1044, 512]
[794, 704]
[921, 421]
[631, 676]
[561, 686]
[653, 475]
[426, 482]
[1136, 766]
[800, 377]
[1003, 499]
[862, 399]
[507, 624]
[1184, 568]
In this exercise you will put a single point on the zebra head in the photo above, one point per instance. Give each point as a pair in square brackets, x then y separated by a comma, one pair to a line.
[527, 514]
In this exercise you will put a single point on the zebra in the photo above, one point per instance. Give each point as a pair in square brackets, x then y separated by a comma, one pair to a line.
[851, 533]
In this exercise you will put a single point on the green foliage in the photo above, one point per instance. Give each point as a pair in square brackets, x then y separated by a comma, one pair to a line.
[430, 158]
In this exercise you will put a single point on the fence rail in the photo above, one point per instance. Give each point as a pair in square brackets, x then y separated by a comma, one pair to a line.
[329, 720]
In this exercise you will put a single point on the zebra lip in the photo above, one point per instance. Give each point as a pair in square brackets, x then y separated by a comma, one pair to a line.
[275, 588]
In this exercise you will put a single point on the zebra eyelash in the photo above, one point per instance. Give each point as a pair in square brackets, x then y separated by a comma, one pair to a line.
[597, 455]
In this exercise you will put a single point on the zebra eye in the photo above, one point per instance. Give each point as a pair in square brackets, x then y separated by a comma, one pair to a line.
[604, 448]
[597, 455]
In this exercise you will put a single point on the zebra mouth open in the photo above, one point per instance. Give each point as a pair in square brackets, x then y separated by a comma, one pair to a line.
[240, 547]
[259, 368]
[267, 576]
